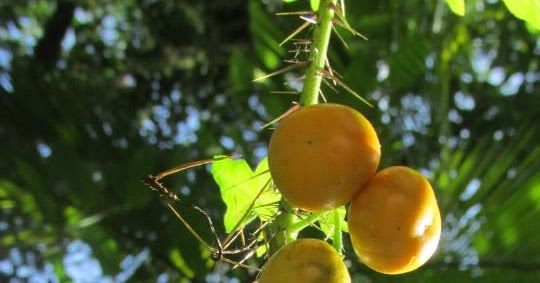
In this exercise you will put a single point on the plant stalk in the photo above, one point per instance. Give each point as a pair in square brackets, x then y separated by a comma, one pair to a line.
[337, 240]
[286, 226]
[319, 48]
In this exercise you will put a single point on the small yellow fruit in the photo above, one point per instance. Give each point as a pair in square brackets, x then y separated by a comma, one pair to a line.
[305, 261]
[320, 156]
[394, 222]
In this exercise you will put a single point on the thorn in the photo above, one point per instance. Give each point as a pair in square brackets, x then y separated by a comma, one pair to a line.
[285, 92]
[294, 13]
[311, 19]
[293, 108]
[347, 88]
[281, 71]
[321, 93]
[344, 23]
[295, 62]
[349, 28]
[330, 70]
[340, 37]
[295, 32]
[330, 85]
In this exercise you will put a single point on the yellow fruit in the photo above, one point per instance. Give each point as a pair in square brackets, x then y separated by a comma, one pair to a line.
[394, 222]
[305, 261]
[320, 156]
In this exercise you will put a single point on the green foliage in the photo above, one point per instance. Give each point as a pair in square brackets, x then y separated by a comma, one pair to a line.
[246, 193]
[265, 36]
[314, 4]
[142, 86]
[457, 6]
[240, 72]
[179, 262]
[527, 10]
[407, 62]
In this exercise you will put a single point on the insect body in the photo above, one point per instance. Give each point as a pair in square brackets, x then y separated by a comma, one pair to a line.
[220, 248]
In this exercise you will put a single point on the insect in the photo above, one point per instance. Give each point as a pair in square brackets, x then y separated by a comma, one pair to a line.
[221, 248]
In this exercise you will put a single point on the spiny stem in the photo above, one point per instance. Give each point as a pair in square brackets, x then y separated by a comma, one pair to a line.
[309, 96]
[319, 48]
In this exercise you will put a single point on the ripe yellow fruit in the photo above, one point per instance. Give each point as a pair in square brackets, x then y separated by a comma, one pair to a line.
[320, 156]
[305, 261]
[394, 222]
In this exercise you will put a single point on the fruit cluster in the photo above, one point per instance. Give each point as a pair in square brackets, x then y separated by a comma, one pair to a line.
[325, 156]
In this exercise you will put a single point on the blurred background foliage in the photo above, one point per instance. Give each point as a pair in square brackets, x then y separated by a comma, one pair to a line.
[94, 95]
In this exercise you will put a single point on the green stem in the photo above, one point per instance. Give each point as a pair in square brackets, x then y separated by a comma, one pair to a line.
[299, 225]
[319, 48]
[289, 220]
[279, 230]
[336, 238]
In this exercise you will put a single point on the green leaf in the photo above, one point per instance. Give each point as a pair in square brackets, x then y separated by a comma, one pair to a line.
[407, 65]
[239, 186]
[289, 1]
[314, 4]
[265, 36]
[527, 10]
[267, 204]
[457, 6]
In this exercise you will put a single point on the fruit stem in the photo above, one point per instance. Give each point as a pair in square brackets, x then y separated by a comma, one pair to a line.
[337, 241]
[281, 228]
[319, 48]
[298, 226]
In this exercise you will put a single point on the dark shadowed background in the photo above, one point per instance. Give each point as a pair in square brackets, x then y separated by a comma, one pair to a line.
[94, 95]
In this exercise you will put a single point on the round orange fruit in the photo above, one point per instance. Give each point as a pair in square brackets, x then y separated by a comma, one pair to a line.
[394, 222]
[320, 156]
[305, 261]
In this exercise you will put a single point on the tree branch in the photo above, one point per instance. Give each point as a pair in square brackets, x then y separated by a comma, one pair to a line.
[47, 50]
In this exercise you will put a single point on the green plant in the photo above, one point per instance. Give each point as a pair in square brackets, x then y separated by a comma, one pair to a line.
[320, 157]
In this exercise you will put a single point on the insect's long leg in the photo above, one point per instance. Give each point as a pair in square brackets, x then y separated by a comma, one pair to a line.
[251, 247]
[242, 237]
[188, 226]
[230, 238]
[188, 165]
[253, 251]
[246, 257]
[266, 223]
[152, 181]
[235, 263]
[155, 185]
[243, 248]
[254, 235]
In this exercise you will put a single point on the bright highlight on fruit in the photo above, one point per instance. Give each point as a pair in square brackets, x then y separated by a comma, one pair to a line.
[394, 222]
[305, 261]
[321, 155]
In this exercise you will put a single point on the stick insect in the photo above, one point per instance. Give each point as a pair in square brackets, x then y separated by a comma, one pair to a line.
[221, 247]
